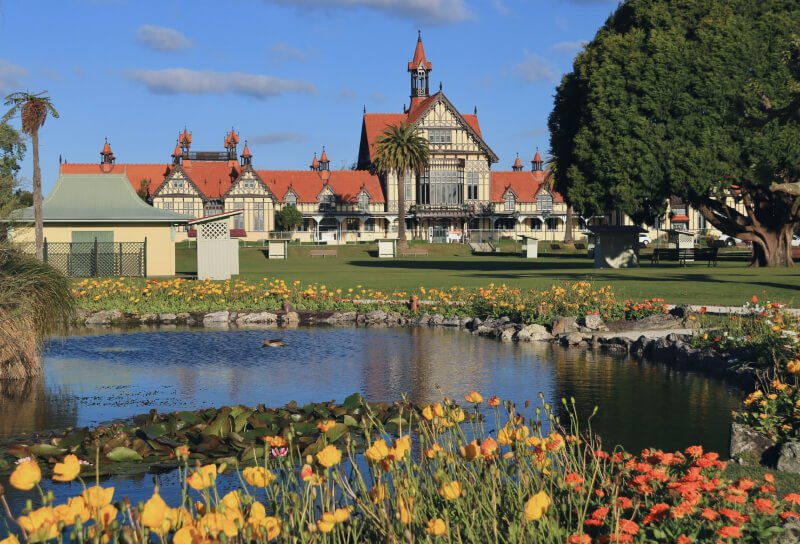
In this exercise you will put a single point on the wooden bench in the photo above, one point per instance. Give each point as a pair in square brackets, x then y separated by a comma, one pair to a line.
[322, 253]
[414, 252]
[682, 255]
[580, 245]
[708, 254]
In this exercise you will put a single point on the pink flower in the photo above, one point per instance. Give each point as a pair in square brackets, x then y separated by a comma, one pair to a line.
[279, 452]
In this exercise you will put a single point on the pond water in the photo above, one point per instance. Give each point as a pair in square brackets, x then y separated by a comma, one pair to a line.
[93, 377]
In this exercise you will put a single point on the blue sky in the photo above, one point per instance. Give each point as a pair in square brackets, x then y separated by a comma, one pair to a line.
[289, 75]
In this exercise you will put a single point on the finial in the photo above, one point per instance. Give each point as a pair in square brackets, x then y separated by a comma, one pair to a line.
[419, 35]
[440, 86]
[475, 110]
[365, 109]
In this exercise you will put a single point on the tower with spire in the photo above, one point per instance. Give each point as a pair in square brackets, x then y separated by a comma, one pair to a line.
[537, 164]
[419, 68]
[517, 166]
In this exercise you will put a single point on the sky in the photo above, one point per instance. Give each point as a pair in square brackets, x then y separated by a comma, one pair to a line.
[291, 76]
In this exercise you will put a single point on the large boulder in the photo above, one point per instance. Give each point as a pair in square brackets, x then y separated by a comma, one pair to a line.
[216, 318]
[104, 317]
[594, 322]
[789, 457]
[289, 317]
[748, 446]
[564, 325]
[259, 318]
[508, 334]
[376, 316]
[527, 333]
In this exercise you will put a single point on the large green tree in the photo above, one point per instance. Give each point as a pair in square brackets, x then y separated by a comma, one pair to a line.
[33, 110]
[694, 98]
[401, 150]
[12, 151]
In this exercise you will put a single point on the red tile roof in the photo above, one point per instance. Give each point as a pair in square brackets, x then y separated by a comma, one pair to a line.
[680, 218]
[525, 185]
[419, 56]
[307, 185]
[212, 178]
[154, 173]
[177, 151]
[376, 123]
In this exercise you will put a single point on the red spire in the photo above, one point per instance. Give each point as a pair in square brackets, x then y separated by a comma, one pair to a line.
[232, 139]
[324, 156]
[419, 56]
[537, 157]
[315, 163]
[246, 151]
[177, 153]
[106, 149]
[185, 138]
[517, 164]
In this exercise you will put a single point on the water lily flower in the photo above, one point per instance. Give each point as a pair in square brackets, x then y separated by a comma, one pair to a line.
[378, 451]
[474, 397]
[203, 477]
[40, 525]
[329, 456]
[154, 512]
[258, 476]
[26, 475]
[67, 470]
[537, 506]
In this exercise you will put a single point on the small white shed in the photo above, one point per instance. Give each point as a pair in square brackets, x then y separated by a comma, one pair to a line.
[616, 247]
[279, 248]
[530, 247]
[387, 249]
[217, 252]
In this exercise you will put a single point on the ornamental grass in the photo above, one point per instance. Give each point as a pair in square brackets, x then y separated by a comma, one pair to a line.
[523, 305]
[452, 477]
[34, 300]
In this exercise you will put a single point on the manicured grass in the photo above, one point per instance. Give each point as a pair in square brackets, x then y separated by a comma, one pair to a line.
[730, 283]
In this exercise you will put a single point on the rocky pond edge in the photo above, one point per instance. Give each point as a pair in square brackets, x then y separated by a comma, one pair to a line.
[663, 338]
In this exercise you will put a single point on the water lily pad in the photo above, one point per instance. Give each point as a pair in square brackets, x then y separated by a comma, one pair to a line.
[353, 402]
[336, 432]
[47, 450]
[122, 454]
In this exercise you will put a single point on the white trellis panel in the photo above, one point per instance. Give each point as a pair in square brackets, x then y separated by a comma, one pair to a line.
[217, 253]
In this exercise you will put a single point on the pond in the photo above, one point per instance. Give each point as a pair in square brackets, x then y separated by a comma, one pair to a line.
[93, 377]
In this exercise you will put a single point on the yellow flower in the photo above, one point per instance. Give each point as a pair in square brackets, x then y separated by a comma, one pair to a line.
[450, 491]
[378, 493]
[26, 475]
[537, 506]
[433, 451]
[470, 451]
[97, 497]
[154, 512]
[272, 526]
[40, 524]
[10, 540]
[213, 524]
[341, 515]
[326, 523]
[437, 527]
[474, 397]
[182, 452]
[329, 456]
[378, 451]
[325, 426]
[187, 535]
[402, 447]
[258, 476]
[74, 509]
[107, 515]
[457, 415]
[404, 507]
[68, 470]
[203, 477]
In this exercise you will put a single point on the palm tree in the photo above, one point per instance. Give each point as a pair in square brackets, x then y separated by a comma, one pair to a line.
[33, 110]
[399, 150]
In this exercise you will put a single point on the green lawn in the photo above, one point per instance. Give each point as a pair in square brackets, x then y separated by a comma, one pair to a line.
[447, 265]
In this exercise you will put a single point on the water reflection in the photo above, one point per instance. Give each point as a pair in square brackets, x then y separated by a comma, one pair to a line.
[26, 406]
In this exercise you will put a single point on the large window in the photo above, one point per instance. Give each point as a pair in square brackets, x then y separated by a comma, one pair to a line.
[441, 187]
[238, 221]
[290, 199]
[363, 202]
[258, 216]
[327, 202]
[472, 185]
[544, 201]
[440, 136]
[510, 201]
[212, 207]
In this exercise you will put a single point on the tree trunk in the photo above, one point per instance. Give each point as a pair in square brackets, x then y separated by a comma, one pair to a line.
[568, 235]
[772, 248]
[37, 196]
[402, 240]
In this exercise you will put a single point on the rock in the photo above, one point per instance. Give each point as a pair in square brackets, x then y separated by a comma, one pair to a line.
[573, 338]
[508, 334]
[104, 317]
[148, 318]
[564, 325]
[681, 311]
[167, 318]
[791, 533]
[216, 317]
[789, 457]
[541, 337]
[436, 320]
[748, 445]
[465, 322]
[394, 317]
[289, 317]
[594, 323]
[451, 322]
[376, 316]
[257, 318]
[346, 317]
[528, 331]
[474, 323]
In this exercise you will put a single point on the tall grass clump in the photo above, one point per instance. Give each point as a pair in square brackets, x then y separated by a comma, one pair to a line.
[35, 300]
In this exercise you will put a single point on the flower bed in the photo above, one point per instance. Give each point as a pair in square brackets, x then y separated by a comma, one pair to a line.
[455, 481]
[526, 306]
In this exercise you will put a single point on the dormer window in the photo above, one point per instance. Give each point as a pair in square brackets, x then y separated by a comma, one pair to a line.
[510, 201]
[440, 136]
[290, 199]
[178, 183]
[249, 183]
[327, 202]
[544, 201]
[363, 202]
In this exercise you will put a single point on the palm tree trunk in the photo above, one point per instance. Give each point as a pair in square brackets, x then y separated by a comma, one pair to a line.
[401, 211]
[568, 235]
[37, 196]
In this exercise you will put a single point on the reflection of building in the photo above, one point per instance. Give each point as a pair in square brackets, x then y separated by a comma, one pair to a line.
[459, 189]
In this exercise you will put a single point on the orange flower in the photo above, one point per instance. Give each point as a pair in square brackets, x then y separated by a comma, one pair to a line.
[579, 539]
[658, 512]
[437, 527]
[203, 477]
[489, 447]
[329, 456]
[26, 475]
[765, 506]
[792, 498]
[494, 401]
[730, 531]
[325, 426]
[474, 397]
[67, 470]
[629, 527]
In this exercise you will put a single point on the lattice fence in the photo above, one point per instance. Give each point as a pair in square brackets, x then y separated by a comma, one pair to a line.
[94, 259]
[216, 230]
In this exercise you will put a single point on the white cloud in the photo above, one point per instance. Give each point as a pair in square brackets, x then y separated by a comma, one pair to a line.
[346, 94]
[278, 138]
[502, 8]
[425, 11]
[534, 69]
[198, 82]
[283, 52]
[568, 48]
[10, 75]
[162, 38]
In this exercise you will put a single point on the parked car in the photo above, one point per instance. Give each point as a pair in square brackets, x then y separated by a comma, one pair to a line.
[644, 239]
[729, 241]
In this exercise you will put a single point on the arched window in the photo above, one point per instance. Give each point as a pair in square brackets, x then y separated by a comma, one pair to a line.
[510, 201]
